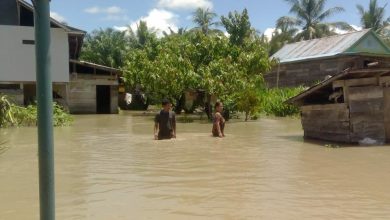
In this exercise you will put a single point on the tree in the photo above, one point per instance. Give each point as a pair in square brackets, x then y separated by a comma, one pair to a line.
[373, 17]
[105, 47]
[238, 26]
[310, 16]
[285, 33]
[180, 31]
[249, 101]
[203, 18]
[141, 36]
[178, 63]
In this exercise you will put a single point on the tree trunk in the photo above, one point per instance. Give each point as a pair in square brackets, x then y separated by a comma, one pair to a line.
[208, 108]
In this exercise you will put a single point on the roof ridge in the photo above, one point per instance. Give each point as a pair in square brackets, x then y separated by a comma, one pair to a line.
[332, 36]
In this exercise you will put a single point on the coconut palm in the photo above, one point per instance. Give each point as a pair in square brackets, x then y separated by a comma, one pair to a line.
[140, 37]
[310, 16]
[237, 26]
[373, 17]
[204, 19]
[285, 33]
[105, 47]
[180, 31]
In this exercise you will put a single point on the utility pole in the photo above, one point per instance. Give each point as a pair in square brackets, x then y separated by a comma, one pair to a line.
[45, 109]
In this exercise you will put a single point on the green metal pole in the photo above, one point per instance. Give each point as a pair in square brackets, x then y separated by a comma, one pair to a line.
[45, 110]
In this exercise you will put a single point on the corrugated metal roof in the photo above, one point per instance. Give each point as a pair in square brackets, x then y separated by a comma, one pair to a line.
[321, 47]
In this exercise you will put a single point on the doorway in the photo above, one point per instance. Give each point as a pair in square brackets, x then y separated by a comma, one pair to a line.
[103, 99]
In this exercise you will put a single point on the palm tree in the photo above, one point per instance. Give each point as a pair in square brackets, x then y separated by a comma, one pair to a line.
[310, 16]
[238, 26]
[285, 33]
[373, 17]
[142, 35]
[204, 19]
[105, 47]
[181, 31]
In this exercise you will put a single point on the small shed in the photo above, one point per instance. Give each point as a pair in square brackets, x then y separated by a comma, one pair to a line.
[349, 107]
[92, 88]
[307, 62]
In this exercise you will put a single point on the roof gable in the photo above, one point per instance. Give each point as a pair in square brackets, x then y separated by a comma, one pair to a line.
[364, 41]
[369, 43]
[53, 22]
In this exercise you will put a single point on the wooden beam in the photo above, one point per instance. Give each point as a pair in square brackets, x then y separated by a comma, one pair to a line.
[337, 106]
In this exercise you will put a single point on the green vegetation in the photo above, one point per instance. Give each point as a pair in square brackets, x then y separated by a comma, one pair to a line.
[105, 47]
[309, 17]
[200, 59]
[273, 101]
[14, 115]
[229, 66]
[374, 17]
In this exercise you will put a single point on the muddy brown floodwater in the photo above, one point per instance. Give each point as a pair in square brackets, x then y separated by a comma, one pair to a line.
[108, 167]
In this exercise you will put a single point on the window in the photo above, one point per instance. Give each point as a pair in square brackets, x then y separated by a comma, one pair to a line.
[32, 42]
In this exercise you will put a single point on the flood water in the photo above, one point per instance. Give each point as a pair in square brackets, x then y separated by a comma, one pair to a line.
[109, 167]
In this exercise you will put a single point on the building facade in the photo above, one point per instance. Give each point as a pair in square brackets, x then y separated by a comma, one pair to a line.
[71, 77]
[308, 62]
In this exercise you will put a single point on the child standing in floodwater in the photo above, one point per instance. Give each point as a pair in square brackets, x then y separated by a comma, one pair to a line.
[218, 121]
[165, 122]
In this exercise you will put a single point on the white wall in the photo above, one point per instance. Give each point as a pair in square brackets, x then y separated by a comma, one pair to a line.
[17, 60]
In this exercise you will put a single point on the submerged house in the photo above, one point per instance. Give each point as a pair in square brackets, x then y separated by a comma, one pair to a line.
[352, 106]
[82, 87]
[308, 62]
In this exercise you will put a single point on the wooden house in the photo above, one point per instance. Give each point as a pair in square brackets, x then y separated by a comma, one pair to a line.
[82, 87]
[352, 106]
[308, 62]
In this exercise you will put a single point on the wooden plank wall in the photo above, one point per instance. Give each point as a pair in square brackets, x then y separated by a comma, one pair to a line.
[326, 122]
[366, 113]
[307, 72]
[386, 113]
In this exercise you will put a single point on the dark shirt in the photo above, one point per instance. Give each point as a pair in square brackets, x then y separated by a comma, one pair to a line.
[166, 122]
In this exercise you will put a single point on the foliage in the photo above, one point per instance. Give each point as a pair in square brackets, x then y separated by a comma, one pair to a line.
[14, 115]
[204, 19]
[6, 115]
[105, 47]
[310, 16]
[249, 101]
[273, 101]
[142, 36]
[238, 26]
[281, 36]
[374, 17]
[195, 61]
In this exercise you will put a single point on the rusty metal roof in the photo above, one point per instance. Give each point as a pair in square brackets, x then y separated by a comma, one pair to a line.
[318, 48]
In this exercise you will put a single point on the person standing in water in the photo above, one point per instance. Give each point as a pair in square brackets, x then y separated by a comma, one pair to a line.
[218, 121]
[165, 122]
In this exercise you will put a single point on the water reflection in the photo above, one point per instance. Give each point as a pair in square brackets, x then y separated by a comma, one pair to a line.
[109, 167]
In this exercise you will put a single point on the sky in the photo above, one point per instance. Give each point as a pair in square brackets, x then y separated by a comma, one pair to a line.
[161, 15]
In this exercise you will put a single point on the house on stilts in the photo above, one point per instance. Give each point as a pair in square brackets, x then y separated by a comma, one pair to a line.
[82, 87]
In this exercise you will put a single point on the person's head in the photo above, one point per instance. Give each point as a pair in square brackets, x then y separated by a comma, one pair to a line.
[218, 106]
[166, 105]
